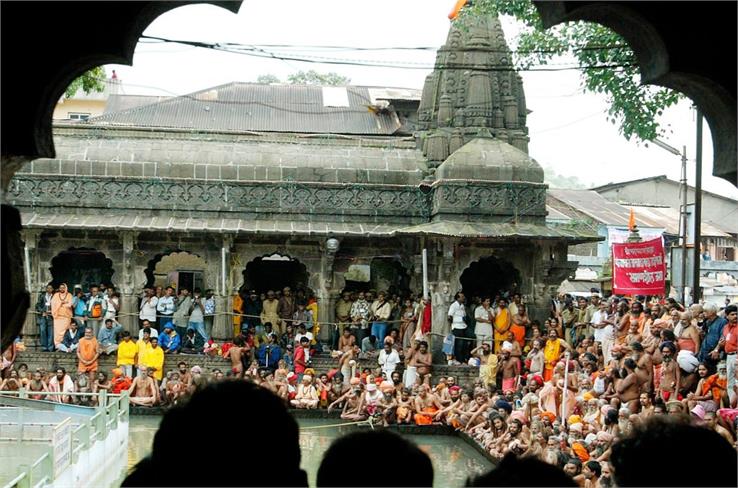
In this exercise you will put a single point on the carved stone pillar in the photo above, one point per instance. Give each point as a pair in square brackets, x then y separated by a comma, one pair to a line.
[31, 265]
[223, 323]
[128, 316]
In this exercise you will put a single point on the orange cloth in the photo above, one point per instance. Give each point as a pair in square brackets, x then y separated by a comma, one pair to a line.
[549, 415]
[716, 386]
[687, 344]
[501, 326]
[551, 355]
[87, 350]
[61, 311]
[519, 333]
[581, 452]
[237, 308]
[426, 416]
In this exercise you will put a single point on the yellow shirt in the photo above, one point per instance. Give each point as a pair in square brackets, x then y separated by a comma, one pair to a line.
[155, 359]
[127, 353]
[143, 349]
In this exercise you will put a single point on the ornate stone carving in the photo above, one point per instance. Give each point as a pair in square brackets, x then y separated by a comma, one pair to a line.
[522, 199]
[279, 197]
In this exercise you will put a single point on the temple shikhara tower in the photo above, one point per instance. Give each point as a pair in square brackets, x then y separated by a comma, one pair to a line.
[260, 186]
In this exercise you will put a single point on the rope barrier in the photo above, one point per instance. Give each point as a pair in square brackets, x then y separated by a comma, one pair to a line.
[233, 314]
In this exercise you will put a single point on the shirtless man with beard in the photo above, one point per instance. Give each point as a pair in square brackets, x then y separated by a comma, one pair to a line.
[422, 360]
[647, 408]
[37, 384]
[670, 372]
[143, 390]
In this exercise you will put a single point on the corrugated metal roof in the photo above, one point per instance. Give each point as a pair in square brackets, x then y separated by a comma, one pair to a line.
[260, 107]
[669, 219]
[608, 212]
[120, 102]
[554, 214]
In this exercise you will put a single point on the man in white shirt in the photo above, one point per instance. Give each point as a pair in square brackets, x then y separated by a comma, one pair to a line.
[166, 308]
[457, 321]
[388, 359]
[302, 332]
[148, 307]
[602, 329]
[483, 316]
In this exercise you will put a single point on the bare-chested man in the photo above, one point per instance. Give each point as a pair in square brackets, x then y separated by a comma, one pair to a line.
[346, 341]
[422, 361]
[669, 383]
[647, 407]
[644, 367]
[426, 405]
[235, 353]
[37, 384]
[347, 363]
[144, 391]
[510, 369]
[627, 388]
[353, 409]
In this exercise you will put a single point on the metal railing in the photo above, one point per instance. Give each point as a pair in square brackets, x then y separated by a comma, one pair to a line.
[68, 440]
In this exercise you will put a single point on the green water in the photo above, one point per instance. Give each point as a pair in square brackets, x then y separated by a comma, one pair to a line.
[453, 459]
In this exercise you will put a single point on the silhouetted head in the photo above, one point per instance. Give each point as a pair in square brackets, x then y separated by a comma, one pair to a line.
[339, 468]
[519, 471]
[276, 431]
[638, 459]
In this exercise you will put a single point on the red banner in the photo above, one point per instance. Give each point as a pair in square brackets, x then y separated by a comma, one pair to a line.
[639, 268]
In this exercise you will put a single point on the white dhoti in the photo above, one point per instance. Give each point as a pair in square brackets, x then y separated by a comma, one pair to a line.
[410, 376]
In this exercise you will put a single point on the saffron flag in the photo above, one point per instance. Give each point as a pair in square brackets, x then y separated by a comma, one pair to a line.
[639, 268]
[631, 220]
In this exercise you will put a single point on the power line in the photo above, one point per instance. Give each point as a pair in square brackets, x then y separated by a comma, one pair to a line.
[262, 53]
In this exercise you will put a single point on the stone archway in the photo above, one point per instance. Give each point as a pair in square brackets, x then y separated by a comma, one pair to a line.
[274, 272]
[189, 268]
[488, 276]
[81, 266]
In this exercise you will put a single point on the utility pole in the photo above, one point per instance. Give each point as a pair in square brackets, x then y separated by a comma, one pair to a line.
[697, 212]
[684, 224]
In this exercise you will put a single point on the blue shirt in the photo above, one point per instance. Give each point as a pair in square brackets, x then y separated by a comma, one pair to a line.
[107, 336]
[169, 343]
[80, 307]
[712, 337]
[269, 360]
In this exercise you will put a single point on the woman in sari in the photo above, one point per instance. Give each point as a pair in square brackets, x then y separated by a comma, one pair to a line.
[61, 311]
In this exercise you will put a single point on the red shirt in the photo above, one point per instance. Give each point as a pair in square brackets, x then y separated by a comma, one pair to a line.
[730, 333]
[300, 355]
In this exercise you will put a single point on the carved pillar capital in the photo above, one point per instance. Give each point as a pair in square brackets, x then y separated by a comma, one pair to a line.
[31, 237]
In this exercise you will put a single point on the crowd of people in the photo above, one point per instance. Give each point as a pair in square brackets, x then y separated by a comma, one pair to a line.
[562, 391]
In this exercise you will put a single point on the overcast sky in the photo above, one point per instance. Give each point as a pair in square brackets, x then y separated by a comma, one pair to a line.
[568, 130]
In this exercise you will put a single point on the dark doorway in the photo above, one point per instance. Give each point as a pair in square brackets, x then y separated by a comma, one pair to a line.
[85, 267]
[488, 277]
[274, 273]
[385, 274]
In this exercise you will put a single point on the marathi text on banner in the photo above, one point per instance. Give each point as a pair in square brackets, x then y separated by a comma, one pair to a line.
[639, 268]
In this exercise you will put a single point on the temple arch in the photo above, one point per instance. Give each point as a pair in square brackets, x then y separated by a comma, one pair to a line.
[81, 266]
[177, 268]
[274, 272]
[488, 276]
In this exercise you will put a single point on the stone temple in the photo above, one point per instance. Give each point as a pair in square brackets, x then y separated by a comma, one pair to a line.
[321, 188]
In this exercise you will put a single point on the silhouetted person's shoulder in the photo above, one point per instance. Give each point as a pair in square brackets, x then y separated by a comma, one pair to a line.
[668, 451]
[523, 471]
[342, 463]
[235, 414]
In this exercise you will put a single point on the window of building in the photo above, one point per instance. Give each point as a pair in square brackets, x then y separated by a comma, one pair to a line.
[78, 116]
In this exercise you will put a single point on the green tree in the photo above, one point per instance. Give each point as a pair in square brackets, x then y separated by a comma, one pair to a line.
[312, 77]
[634, 107]
[93, 80]
[267, 78]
